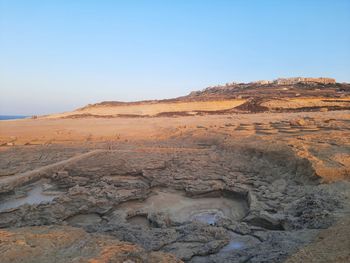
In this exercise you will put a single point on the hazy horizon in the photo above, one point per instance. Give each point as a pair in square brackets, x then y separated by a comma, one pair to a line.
[61, 55]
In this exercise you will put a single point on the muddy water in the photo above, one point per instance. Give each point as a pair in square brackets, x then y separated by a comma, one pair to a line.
[181, 208]
[35, 195]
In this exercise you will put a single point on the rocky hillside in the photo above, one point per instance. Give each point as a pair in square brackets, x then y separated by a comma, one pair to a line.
[280, 88]
[293, 94]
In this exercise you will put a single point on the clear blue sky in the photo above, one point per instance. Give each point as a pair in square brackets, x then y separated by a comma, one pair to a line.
[59, 55]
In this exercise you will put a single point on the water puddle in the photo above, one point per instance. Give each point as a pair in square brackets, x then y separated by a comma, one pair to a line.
[238, 242]
[233, 245]
[34, 195]
[180, 208]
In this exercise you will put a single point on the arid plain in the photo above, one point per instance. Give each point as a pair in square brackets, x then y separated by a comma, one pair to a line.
[255, 172]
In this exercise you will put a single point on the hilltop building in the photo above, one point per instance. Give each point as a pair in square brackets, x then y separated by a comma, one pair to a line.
[289, 81]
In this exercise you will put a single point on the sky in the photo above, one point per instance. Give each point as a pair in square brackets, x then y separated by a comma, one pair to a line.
[59, 55]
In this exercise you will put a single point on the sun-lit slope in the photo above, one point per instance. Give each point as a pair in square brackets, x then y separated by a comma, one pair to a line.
[152, 109]
[295, 103]
[231, 98]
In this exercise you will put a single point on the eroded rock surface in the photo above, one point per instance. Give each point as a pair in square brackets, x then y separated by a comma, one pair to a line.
[207, 202]
[68, 244]
[226, 188]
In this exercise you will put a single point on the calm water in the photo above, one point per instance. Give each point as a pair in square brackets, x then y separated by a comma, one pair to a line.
[34, 196]
[12, 117]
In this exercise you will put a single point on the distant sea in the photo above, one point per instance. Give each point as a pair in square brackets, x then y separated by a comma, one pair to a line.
[12, 117]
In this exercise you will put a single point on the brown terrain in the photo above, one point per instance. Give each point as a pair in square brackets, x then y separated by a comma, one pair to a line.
[247, 172]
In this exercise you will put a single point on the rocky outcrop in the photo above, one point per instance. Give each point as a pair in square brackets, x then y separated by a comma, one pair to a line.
[331, 245]
[64, 244]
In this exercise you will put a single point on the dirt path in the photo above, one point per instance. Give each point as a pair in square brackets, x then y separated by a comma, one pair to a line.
[10, 182]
